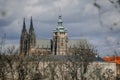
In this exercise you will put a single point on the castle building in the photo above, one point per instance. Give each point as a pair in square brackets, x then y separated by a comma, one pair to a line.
[59, 45]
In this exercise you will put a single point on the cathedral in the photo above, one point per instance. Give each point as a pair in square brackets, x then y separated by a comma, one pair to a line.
[58, 45]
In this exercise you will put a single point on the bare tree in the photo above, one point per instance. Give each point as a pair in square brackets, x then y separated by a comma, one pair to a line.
[3, 67]
[83, 55]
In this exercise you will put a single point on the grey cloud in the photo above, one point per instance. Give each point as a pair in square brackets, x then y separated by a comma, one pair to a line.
[4, 23]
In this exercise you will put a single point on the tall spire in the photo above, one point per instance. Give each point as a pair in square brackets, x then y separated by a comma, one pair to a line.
[32, 37]
[31, 24]
[60, 21]
[60, 11]
[24, 39]
[24, 25]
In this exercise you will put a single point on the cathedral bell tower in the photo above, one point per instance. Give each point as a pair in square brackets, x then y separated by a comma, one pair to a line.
[60, 39]
[24, 40]
[32, 36]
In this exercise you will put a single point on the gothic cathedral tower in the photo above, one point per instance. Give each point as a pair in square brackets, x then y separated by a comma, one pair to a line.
[24, 40]
[60, 39]
[32, 37]
[27, 41]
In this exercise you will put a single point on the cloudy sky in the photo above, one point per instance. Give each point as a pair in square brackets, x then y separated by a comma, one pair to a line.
[81, 18]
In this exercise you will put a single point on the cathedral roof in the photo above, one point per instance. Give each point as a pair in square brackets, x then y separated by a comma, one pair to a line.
[60, 27]
[47, 43]
[75, 42]
[43, 43]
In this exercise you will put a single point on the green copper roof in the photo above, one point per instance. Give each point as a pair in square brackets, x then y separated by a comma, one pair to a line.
[46, 43]
[60, 27]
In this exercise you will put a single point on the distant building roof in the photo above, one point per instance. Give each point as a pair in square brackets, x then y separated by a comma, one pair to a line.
[43, 43]
[60, 27]
[99, 59]
[76, 42]
[114, 59]
[46, 43]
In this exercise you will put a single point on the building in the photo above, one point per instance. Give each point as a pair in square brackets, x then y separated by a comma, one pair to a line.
[27, 40]
[60, 39]
[59, 45]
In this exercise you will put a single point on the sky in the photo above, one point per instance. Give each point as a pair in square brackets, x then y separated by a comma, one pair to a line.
[80, 17]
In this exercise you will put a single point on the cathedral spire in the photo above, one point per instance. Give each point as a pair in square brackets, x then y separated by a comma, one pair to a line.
[60, 27]
[24, 26]
[24, 39]
[60, 21]
[32, 36]
[31, 24]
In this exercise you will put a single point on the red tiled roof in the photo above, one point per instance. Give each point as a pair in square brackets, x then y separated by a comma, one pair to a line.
[112, 59]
